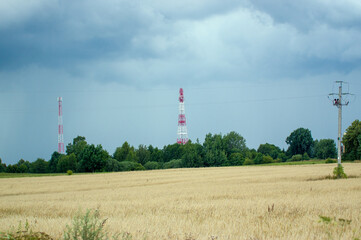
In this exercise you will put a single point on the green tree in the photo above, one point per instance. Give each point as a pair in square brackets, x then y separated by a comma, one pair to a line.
[352, 141]
[190, 157]
[23, 166]
[156, 155]
[300, 141]
[233, 143]
[92, 159]
[143, 155]
[213, 150]
[39, 166]
[2, 166]
[125, 153]
[67, 162]
[325, 148]
[269, 149]
[79, 143]
[258, 159]
[172, 151]
[236, 159]
[12, 168]
[53, 162]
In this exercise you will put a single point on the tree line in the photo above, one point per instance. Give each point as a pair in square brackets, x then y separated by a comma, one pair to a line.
[216, 150]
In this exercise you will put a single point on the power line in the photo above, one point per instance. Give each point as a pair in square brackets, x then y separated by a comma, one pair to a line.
[142, 106]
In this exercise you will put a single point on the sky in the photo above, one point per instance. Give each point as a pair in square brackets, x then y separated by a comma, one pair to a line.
[260, 68]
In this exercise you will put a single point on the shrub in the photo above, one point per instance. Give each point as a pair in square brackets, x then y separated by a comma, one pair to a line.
[338, 172]
[329, 160]
[297, 157]
[282, 156]
[69, 172]
[151, 165]
[267, 159]
[305, 156]
[175, 163]
[248, 162]
[112, 165]
[130, 166]
[138, 167]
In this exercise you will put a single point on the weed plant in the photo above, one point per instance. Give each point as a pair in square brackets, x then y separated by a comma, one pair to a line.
[88, 226]
[24, 234]
[338, 172]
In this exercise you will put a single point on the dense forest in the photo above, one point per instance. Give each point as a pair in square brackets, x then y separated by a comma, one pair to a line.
[216, 150]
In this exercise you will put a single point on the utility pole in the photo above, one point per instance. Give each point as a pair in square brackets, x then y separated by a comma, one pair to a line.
[339, 102]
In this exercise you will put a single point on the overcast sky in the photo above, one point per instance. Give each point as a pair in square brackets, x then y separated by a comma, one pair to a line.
[260, 68]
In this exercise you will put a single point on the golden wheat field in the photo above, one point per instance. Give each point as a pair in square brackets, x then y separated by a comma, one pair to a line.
[253, 202]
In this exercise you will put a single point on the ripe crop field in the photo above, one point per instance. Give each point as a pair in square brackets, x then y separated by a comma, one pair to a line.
[253, 202]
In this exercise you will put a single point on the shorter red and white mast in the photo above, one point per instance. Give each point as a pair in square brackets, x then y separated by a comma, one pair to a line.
[182, 124]
[60, 126]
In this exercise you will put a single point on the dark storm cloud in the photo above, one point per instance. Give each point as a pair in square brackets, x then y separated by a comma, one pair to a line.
[147, 41]
[108, 60]
[60, 34]
[64, 34]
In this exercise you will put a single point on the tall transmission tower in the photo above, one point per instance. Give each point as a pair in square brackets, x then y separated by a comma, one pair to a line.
[338, 101]
[182, 125]
[60, 126]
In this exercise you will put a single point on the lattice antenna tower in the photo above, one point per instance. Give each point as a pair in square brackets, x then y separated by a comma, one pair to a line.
[339, 99]
[60, 126]
[182, 124]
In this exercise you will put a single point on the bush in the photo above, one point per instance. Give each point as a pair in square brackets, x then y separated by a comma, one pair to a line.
[338, 172]
[297, 157]
[130, 166]
[329, 160]
[112, 165]
[305, 156]
[282, 156]
[267, 159]
[87, 227]
[151, 165]
[248, 162]
[69, 172]
[175, 163]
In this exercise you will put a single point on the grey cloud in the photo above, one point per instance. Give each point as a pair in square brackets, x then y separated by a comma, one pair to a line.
[308, 14]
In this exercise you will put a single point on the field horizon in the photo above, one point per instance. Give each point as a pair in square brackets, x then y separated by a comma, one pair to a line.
[248, 202]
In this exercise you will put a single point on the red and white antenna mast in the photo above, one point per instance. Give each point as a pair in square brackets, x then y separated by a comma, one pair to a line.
[60, 128]
[182, 125]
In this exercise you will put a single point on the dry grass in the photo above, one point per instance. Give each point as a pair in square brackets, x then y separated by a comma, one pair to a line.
[255, 202]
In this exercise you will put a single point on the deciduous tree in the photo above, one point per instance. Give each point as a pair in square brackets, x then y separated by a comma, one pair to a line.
[325, 148]
[92, 159]
[352, 141]
[300, 141]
